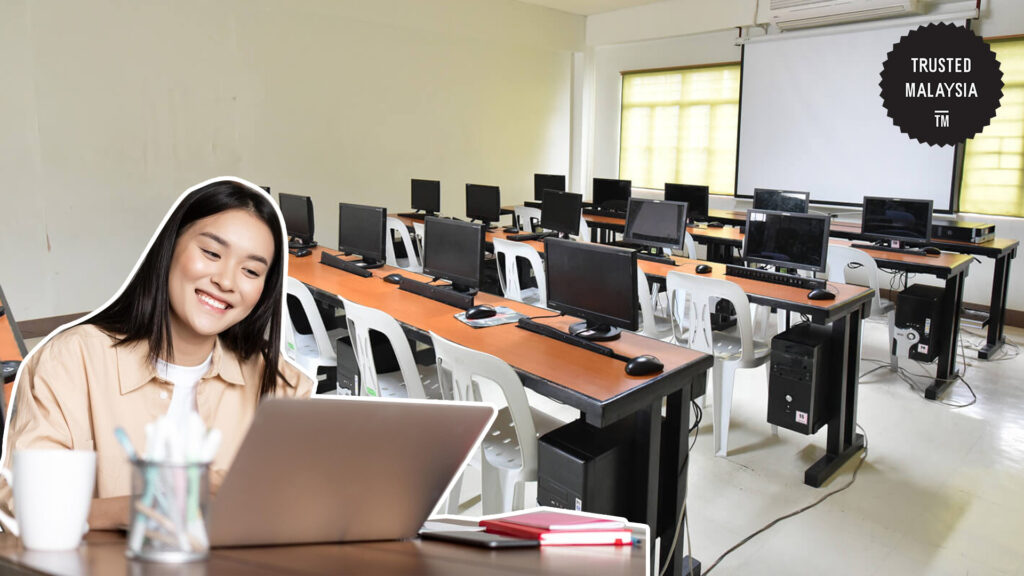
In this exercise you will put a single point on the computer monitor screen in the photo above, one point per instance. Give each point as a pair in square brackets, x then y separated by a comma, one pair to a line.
[612, 194]
[542, 182]
[594, 282]
[781, 200]
[657, 223]
[561, 212]
[426, 195]
[897, 219]
[362, 231]
[787, 240]
[454, 251]
[483, 203]
[695, 196]
[298, 217]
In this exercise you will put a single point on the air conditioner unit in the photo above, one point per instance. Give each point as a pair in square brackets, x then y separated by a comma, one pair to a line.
[793, 14]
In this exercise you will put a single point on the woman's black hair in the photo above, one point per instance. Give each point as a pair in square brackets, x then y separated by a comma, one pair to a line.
[142, 311]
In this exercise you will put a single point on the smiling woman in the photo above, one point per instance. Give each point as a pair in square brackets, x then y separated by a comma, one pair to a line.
[196, 328]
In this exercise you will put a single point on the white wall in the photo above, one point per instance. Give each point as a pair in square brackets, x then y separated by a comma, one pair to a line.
[110, 109]
[687, 32]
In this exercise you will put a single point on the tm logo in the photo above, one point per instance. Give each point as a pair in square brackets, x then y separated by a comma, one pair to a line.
[942, 118]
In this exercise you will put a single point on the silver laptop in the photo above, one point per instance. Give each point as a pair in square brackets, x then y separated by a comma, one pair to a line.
[343, 469]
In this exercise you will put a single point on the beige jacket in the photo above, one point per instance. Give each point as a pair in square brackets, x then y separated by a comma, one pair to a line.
[79, 387]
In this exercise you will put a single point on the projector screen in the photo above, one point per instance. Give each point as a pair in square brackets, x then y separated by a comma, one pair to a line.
[812, 120]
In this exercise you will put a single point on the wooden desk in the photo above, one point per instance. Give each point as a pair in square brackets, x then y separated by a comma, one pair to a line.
[844, 314]
[953, 269]
[596, 385]
[102, 553]
[1002, 250]
[12, 346]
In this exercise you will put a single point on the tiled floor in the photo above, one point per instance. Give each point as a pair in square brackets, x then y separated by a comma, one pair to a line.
[941, 491]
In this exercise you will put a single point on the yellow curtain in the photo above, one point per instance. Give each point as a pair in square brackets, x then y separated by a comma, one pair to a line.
[993, 180]
[680, 126]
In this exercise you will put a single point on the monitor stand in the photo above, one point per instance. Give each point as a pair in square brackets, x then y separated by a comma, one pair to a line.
[486, 223]
[294, 244]
[595, 332]
[366, 263]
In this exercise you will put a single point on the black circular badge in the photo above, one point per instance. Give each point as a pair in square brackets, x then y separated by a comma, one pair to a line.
[941, 84]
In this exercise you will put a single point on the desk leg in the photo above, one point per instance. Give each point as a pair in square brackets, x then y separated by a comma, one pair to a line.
[949, 325]
[997, 307]
[675, 465]
[843, 440]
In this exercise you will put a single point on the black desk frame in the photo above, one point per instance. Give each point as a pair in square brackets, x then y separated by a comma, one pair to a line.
[661, 445]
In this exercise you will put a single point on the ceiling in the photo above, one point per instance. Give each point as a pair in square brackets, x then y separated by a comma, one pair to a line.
[589, 7]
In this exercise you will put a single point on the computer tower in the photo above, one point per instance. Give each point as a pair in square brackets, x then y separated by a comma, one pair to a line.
[798, 380]
[581, 467]
[919, 308]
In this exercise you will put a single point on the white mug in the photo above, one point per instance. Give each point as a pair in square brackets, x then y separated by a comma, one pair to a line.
[52, 494]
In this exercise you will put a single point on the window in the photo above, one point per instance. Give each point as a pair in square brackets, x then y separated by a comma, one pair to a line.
[680, 126]
[993, 181]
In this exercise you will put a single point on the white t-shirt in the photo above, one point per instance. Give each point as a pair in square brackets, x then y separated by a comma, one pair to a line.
[184, 379]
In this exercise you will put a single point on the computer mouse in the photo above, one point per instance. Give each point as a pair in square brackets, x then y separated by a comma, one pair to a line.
[820, 294]
[480, 312]
[932, 250]
[702, 269]
[715, 225]
[643, 365]
[393, 278]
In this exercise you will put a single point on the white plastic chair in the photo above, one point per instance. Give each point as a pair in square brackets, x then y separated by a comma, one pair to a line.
[419, 230]
[410, 381]
[731, 351]
[412, 263]
[656, 295]
[651, 325]
[584, 235]
[526, 217]
[842, 259]
[509, 450]
[508, 271]
[315, 350]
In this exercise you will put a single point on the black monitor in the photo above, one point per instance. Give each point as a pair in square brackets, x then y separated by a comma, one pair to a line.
[786, 240]
[781, 200]
[453, 250]
[483, 203]
[561, 212]
[655, 223]
[594, 282]
[542, 182]
[899, 219]
[426, 196]
[612, 194]
[298, 219]
[695, 196]
[362, 230]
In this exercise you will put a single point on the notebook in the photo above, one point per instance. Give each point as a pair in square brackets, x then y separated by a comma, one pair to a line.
[343, 469]
[560, 528]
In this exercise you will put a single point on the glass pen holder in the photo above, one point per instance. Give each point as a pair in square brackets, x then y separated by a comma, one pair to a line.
[167, 520]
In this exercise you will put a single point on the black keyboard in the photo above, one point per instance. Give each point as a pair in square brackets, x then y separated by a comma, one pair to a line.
[912, 251]
[556, 334]
[653, 258]
[412, 215]
[774, 277]
[442, 294]
[609, 213]
[350, 267]
[525, 237]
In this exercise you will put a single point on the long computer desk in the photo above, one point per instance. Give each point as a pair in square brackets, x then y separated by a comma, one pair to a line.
[1002, 250]
[595, 385]
[852, 303]
[721, 241]
[102, 553]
